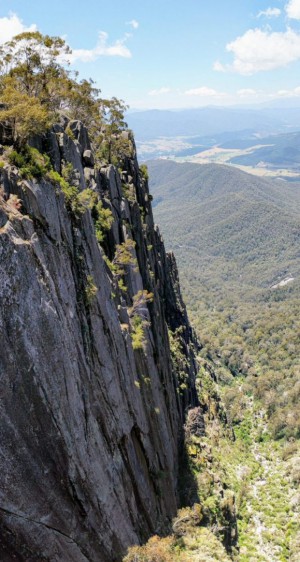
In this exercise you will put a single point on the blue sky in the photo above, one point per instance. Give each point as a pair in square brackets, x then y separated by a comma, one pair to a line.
[171, 53]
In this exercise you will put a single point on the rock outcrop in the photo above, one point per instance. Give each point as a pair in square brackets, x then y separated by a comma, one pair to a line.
[90, 423]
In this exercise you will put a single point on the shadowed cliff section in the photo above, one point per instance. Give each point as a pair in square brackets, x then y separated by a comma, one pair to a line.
[91, 424]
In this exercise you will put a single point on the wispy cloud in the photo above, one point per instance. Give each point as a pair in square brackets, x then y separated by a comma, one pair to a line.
[292, 9]
[294, 93]
[203, 91]
[102, 49]
[159, 92]
[270, 13]
[12, 25]
[259, 50]
[247, 93]
[134, 24]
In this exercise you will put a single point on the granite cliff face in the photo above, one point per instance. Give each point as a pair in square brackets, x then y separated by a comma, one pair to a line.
[90, 427]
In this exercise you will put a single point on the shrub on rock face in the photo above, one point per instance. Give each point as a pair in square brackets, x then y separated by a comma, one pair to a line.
[31, 163]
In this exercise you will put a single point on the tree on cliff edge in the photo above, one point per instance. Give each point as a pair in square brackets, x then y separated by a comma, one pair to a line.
[36, 87]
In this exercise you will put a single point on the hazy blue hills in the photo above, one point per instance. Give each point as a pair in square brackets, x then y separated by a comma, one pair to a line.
[184, 133]
[203, 121]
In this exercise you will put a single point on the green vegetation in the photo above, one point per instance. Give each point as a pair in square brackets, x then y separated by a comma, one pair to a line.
[103, 219]
[197, 545]
[179, 359]
[31, 163]
[242, 239]
[256, 479]
[36, 88]
[90, 289]
[236, 237]
[262, 474]
[137, 318]
[138, 332]
[198, 530]
[144, 171]
[128, 191]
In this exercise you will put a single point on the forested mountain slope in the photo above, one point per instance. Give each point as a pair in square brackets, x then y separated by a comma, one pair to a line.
[233, 229]
[238, 248]
[237, 239]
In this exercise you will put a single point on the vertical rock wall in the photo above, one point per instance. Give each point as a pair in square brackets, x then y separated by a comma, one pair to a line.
[90, 427]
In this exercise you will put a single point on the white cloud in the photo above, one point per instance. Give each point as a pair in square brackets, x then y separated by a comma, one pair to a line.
[293, 9]
[11, 26]
[203, 91]
[246, 92]
[294, 93]
[134, 24]
[270, 13]
[159, 92]
[259, 50]
[117, 49]
[219, 67]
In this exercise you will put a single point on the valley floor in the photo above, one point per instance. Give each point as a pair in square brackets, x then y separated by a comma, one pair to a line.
[265, 477]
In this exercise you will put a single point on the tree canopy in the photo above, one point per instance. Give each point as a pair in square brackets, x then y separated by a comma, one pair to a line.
[36, 87]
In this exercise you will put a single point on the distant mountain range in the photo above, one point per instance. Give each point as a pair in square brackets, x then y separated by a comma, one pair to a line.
[211, 120]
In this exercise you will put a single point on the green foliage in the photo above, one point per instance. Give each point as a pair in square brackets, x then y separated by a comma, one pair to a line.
[144, 171]
[124, 257]
[140, 300]
[31, 163]
[29, 81]
[128, 191]
[113, 142]
[189, 543]
[25, 115]
[243, 431]
[90, 289]
[242, 238]
[77, 201]
[179, 359]
[35, 87]
[122, 285]
[70, 192]
[103, 221]
[138, 319]
[138, 332]
[69, 132]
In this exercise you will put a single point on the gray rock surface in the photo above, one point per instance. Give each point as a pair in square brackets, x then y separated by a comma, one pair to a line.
[90, 427]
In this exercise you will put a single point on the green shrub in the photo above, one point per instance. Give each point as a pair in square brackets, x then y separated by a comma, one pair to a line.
[103, 221]
[128, 192]
[138, 332]
[70, 192]
[90, 289]
[144, 171]
[76, 201]
[31, 163]
[70, 133]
